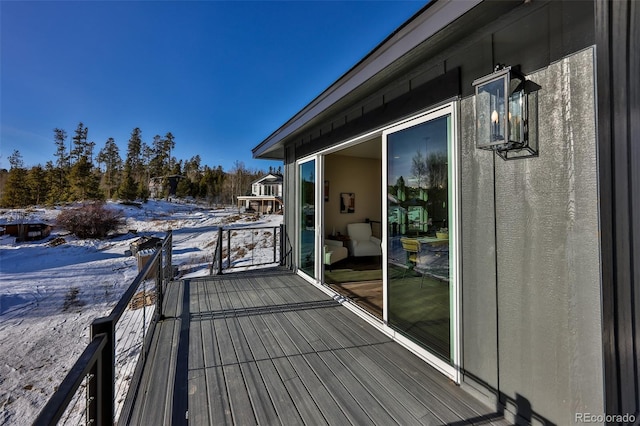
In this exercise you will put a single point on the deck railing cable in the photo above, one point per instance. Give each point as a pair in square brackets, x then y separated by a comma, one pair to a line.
[97, 386]
[265, 245]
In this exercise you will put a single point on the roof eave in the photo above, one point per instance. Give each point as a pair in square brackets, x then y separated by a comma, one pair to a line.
[435, 16]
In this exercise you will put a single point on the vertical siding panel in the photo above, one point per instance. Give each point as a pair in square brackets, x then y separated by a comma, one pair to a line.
[618, 46]
[634, 146]
[606, 203]
[479, 298]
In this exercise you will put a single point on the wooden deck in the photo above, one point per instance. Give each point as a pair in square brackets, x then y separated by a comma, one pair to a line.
[268, 348]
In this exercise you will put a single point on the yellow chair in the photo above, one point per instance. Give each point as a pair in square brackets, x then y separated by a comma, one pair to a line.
[412, 247]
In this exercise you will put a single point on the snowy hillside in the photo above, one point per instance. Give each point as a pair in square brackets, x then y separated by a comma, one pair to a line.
[50, 294]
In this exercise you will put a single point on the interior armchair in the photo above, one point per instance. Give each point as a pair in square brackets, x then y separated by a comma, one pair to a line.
[334, 252]
[362, 242]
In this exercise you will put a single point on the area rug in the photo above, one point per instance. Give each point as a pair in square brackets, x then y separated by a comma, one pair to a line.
[349, 275]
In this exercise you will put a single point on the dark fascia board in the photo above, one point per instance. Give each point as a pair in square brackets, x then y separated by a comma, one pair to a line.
[435, 16]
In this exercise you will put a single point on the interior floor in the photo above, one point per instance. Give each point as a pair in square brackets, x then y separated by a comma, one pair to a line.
[419, 303]
[359, 280]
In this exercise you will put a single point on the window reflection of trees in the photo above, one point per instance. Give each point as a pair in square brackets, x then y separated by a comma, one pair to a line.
[437, 171]
[419, 204]
[419, 167]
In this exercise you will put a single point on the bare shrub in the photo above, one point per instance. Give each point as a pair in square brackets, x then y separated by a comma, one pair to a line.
[240, 253]
[231, 219]
[90, 221]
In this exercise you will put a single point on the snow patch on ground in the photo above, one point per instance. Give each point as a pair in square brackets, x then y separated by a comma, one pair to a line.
[50, 294]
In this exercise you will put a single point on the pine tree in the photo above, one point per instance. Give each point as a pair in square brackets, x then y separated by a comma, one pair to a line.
[128, 190]
[134, 151]
[157, 164]
[131, 186]
[194, 175]
[80, 143]
[177, 167]
[52, 179]
[16, 192]
[211, 184]
[147, 156]
[110, 157]
[58, 191]
[192, 169]
[168, 145]
[84, 183]
[183, 188]
[143, 191]
[37, 184]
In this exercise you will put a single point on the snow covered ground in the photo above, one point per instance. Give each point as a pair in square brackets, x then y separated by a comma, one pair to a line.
[50, 294]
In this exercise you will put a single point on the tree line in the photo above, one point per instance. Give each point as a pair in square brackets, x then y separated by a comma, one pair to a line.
[80, 173]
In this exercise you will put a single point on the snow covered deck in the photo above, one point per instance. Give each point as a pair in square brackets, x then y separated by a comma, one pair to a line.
[265, 347]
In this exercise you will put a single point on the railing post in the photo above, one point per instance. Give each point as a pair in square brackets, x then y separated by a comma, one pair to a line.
[275, 244]
[282, 245]
[159, 280]
[220, 251]
[101, 391]
[168, 262]
[228, 248]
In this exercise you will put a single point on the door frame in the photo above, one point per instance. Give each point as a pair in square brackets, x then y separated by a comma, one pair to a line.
[453, 369]
[317, 220]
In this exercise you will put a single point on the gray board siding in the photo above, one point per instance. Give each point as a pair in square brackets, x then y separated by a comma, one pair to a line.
[269, 348]
[541, 347]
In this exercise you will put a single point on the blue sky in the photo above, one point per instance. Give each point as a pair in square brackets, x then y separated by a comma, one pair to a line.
[220, 75]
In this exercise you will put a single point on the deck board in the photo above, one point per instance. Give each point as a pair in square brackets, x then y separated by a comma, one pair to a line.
[155, 398]
[269, 348]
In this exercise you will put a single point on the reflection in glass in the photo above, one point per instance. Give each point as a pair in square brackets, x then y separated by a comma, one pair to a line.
[306, 253]
[418, 235]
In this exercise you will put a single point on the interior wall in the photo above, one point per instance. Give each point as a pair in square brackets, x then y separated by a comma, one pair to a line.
[534, 291]
[361, 176]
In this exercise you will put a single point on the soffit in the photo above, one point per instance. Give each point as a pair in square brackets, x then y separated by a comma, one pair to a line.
[410, 50]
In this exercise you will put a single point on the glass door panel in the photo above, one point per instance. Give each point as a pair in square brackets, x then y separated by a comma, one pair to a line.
[307, 215]
[419, 292]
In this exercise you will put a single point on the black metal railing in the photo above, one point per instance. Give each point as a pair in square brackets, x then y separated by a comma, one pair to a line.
[237, 247]
[96, 389]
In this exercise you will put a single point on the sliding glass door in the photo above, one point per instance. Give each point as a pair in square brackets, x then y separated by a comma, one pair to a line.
[307, 217]
[421, 285]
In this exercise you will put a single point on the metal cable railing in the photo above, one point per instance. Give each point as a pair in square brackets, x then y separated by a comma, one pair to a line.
[96, 389]
[249, 247]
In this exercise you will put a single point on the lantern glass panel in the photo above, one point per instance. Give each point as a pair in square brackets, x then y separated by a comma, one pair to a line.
[491, 110]
[516, 122]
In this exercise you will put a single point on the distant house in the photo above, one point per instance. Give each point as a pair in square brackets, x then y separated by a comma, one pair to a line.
[26, 231]
[161, 186]
[266, 195]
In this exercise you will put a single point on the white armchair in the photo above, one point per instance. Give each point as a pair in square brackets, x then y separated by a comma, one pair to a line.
[361, 240]
[334, 251]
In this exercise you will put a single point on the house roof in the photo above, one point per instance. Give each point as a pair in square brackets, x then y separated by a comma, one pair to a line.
[270, 178]
[370, 73]
[9, 223]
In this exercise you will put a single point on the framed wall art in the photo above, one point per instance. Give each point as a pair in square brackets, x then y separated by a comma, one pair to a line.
[347, 202]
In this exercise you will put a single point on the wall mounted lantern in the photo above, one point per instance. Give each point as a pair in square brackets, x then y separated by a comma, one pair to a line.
[502, 114]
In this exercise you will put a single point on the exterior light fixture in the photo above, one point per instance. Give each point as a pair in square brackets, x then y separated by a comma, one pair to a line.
[502, 114]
